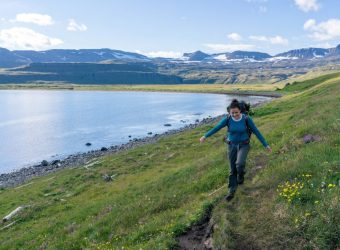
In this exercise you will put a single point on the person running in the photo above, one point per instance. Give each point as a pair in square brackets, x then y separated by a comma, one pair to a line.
[238, 139]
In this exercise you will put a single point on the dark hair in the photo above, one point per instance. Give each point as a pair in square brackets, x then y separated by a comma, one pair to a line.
[234, 104]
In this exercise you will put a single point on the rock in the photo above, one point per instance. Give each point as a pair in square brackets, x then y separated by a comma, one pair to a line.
[88, 144]
[150, 133]
[197, 120]
[310, 138]
[167, 125]
[13, 213]
[103, 149]
[55, 162]
[107, 178]
[44, 163]
[130, 136]
[208, 243]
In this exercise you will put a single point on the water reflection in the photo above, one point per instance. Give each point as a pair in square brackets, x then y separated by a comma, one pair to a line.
[37, 125]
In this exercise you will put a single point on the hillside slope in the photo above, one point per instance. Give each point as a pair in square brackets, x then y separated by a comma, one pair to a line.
[290, 198]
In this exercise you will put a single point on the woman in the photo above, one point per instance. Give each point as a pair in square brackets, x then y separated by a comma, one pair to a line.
[238, 139]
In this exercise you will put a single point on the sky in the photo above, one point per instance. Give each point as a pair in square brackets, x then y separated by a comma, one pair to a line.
[169, 28]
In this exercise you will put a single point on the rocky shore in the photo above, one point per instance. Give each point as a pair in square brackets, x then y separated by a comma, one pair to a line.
[25, 174]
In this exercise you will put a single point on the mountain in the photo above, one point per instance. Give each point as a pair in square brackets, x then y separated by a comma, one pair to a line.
[225, 57]
[8, 59]
[89, 73]
[81, 55]
[335, 51]
[258, 56]
[23, 57]
[106, 66]
[196, 56]
[307, 53]
[16, 58]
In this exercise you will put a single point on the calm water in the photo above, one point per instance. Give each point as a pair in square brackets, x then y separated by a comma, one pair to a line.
[37, 125]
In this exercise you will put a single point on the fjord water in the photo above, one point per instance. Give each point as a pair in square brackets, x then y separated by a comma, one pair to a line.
[37, 124]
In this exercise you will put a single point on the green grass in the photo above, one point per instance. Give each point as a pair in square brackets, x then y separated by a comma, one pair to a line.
[300, 86]
[293, 201]
[200, 88]
[160, 190]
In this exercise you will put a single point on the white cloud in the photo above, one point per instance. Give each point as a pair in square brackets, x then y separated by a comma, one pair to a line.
[259, 38]
[270, 39]
[74, 26]
[166, 54]
[323, 31]
[278, 40]
[229, 47]
[307, 5]
[234, 36]
[24, 38]
[3, 19]
[39, 19]
[309, 24]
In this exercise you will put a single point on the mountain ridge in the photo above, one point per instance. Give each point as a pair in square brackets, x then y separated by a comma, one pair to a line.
[106, 66]
[17, 58]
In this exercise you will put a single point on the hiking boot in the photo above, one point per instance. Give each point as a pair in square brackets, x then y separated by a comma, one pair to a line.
[240, 179]
[230, 196]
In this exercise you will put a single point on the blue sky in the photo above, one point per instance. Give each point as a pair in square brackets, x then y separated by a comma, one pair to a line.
[170, 27]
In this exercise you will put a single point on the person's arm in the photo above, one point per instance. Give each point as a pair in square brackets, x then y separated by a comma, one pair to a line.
[258, 133]
[215, 129]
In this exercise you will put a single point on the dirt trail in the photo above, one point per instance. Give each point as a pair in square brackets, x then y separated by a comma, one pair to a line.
[199, 237]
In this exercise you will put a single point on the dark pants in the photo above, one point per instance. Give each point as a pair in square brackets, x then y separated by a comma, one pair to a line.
[237, 154]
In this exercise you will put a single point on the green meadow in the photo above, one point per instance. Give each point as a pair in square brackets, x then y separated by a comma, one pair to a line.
[290, 198]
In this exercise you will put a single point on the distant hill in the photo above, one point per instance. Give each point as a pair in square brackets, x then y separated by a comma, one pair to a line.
[196, 56]
[90, 73]
[305, 53]
[8, 59]
[23, 57]
[249, 55]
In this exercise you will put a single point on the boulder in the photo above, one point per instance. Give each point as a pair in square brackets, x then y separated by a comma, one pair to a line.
[44, 163]
[107, 178]
[55, 162]
[310, 138]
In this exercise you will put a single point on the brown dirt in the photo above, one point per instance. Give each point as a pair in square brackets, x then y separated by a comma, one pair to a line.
[199, 237]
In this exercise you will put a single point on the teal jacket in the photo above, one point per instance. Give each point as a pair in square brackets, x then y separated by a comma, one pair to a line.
[237, 130]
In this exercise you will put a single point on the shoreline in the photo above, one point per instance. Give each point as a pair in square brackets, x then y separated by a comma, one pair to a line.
[25, 174]
[120, 88]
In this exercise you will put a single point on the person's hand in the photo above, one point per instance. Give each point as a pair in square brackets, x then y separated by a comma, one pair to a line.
[202, 139]
[269, 149]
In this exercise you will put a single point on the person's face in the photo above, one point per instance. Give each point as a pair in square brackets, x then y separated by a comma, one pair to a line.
[236, 113]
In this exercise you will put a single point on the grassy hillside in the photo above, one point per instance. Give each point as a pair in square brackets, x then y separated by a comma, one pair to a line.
[200, 88]
[290, 198]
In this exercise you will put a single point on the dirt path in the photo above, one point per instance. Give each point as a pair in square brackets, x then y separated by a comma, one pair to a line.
[199, 237]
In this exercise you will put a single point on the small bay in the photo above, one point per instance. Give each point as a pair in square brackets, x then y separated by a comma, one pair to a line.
[38, 125]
